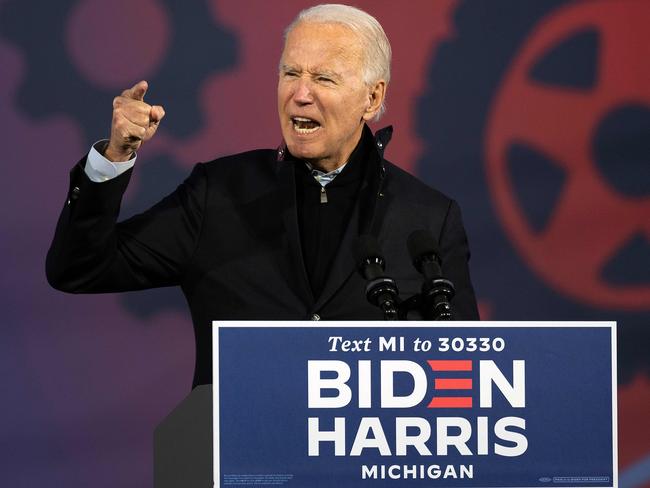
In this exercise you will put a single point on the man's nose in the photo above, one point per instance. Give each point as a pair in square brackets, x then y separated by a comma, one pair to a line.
[303, 93]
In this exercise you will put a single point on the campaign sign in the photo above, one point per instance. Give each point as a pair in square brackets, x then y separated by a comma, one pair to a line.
[417, 404]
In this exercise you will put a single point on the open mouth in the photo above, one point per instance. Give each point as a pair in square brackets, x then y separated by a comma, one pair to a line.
[303, 125]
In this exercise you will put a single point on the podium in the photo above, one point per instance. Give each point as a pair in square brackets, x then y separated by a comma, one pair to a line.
[381, 404]
[183, 443]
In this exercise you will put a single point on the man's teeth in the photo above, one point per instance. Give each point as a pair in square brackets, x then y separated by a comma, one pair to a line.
[304, 125]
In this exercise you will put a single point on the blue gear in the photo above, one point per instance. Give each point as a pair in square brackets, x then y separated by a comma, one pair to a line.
[452, 114]
[52, 84]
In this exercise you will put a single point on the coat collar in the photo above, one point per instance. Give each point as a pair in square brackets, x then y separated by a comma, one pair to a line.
[381, 139]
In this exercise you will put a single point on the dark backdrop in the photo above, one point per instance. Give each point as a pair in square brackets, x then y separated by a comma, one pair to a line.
[535, 115]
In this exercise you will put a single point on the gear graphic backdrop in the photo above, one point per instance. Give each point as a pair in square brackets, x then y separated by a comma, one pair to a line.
[183, 46]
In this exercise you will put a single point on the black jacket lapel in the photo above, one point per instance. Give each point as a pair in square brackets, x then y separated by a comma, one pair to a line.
[296, 272]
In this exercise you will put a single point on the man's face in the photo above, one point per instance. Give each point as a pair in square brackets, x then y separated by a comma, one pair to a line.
[322, 99]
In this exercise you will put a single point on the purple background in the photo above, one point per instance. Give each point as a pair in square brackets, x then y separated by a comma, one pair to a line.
[534, 115]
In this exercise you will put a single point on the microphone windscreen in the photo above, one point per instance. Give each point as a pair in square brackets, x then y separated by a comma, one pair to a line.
[421, 243]
[367, 246]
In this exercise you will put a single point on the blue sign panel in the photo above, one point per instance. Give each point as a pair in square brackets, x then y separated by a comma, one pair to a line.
[419, 405]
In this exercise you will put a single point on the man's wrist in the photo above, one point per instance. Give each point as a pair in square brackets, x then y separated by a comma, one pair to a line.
[115, 156]
[99, 168]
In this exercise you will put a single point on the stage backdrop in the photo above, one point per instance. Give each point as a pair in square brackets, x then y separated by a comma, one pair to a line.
[534, 115]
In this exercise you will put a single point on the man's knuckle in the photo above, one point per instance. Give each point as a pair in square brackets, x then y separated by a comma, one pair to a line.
[142, 108]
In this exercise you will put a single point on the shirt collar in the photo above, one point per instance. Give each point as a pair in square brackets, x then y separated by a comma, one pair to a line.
[322, 177]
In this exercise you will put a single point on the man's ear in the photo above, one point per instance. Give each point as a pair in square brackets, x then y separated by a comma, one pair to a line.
[376, 95]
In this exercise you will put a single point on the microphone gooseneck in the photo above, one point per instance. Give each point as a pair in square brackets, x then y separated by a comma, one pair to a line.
[436, 290]
[381, 291]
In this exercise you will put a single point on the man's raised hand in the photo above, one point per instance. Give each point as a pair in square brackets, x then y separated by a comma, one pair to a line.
[134, 122]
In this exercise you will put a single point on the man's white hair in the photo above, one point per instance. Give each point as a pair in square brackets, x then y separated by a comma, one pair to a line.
[375, 46]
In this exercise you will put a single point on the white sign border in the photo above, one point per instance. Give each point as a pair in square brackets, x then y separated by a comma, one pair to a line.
[216, 324]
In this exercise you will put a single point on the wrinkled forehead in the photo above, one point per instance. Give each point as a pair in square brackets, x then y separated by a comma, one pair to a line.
[331, 44]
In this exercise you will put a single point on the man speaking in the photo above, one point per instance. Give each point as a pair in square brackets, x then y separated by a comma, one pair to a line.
[267, 234]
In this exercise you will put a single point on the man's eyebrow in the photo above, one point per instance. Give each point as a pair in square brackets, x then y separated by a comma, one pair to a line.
[284, 68]
[324, 72]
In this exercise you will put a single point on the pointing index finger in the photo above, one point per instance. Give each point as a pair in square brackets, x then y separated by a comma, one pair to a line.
[137, 91]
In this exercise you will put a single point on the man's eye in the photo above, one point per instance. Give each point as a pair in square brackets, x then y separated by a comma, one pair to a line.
[290, 74]
[325, 79]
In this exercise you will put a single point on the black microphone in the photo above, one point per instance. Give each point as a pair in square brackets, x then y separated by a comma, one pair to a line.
[381, 291]
[436, 290]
